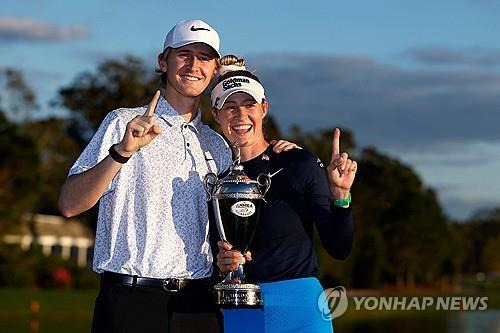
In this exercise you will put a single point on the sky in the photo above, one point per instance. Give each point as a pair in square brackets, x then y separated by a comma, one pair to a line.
[418, 80]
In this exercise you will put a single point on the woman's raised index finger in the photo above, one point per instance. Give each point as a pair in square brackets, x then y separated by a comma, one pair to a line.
[336, 143]
[152, 105]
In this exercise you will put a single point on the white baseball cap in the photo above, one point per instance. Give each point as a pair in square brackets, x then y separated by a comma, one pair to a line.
[192, 31]
[241, 81]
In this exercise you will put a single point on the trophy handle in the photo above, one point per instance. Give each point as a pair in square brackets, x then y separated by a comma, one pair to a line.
[236, 146]
[218, 220]
[228, 277]
[264, 181]
[238, 275]
[209, 182]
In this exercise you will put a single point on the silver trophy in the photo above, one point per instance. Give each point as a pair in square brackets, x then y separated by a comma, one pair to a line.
[236, 200]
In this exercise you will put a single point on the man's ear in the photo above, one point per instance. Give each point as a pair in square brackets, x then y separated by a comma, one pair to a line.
[217, 67]
[265, 107]
[162, 62]
[214, 74]
[215, 114]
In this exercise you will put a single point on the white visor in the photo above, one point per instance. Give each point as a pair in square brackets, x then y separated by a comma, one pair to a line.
[235, 84]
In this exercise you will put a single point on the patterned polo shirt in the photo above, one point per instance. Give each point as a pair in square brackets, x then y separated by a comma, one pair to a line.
[153, 218]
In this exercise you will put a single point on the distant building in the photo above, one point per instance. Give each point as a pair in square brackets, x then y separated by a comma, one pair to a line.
[57, 235]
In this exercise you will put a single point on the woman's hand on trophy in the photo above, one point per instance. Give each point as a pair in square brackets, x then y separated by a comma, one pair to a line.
[228, 260]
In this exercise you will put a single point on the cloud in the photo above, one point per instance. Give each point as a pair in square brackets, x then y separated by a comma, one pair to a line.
[477, 56]
[25, 29]
[42, 75]
[466, 156]
[460, 209]
[387, 106]
[460, 206]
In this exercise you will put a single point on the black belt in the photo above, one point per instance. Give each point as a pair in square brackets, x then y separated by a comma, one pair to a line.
[171, 285]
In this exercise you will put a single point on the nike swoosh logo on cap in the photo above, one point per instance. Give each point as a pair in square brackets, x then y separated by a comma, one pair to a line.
[198, 29]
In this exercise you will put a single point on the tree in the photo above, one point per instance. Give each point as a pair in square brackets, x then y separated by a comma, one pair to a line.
[18, 100]
[38, 151]
[19, 158]
[391, 198]
[369, 259]
[481, 234]
[57, 153]
[19, 173]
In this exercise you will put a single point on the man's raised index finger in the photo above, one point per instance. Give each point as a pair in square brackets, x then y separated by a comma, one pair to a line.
[152, 105]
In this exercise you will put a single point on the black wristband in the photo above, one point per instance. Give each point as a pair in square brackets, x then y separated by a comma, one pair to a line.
[117, 157]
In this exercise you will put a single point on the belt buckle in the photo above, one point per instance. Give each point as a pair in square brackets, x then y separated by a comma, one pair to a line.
[171, 286]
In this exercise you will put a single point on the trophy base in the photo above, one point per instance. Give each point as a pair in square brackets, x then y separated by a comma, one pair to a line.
[234, 295]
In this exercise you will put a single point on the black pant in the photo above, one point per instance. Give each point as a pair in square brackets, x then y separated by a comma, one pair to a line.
[120, 308]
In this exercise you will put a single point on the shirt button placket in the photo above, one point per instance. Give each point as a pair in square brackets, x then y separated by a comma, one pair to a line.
[186, 135]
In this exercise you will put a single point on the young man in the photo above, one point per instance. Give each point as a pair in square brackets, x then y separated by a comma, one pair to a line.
[146, 166]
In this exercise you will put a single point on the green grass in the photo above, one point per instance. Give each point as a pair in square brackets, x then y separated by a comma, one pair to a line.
[60, 310]
[71, 311]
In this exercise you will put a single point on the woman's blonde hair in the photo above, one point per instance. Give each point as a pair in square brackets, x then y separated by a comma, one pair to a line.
[230, 63]
[230, 60]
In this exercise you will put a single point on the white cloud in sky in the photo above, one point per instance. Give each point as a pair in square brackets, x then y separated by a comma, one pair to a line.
[26, 29]
[470, 56]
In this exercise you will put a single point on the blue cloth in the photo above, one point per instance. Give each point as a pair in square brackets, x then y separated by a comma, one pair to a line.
[289, 306]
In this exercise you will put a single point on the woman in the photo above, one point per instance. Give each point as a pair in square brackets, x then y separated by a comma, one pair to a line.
[301, 195]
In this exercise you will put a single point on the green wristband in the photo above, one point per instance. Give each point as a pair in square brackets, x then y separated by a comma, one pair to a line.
[344, 203]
